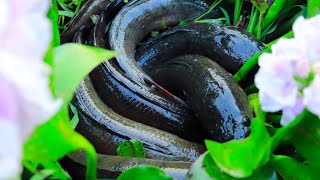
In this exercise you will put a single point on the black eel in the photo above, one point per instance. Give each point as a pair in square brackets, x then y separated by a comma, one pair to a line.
[108, 119]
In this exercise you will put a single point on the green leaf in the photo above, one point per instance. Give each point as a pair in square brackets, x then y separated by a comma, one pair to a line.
[289, 168]
[205, 168]
[43, 174]
[75, 119]
[132, 148]
[72, 62]
[53, 16]
[54, 139]
[144, 172]
[305, 136]
[58, 171]
[313, 8]
[226, 15]
[240, 158]
[261, 5]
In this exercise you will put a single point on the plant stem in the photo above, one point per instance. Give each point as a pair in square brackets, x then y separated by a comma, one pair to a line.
[253, 20]
[85, 145]
[214, 4]
[237, 11]
[259, 25]
[253, 61]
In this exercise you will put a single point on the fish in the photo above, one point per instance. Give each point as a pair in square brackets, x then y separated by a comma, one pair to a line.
[106, 129]
[218, 102]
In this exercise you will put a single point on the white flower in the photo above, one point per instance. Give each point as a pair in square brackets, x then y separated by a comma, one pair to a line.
[285, 76]
[25, 97]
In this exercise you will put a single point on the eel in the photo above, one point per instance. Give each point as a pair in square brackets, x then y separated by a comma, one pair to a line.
[229, 46]
[82, 20]
[218, 102]
[106, 129]
[103, 118]
[137, 19]
[128, 99]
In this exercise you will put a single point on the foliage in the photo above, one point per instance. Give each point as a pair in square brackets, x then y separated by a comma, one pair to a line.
[132, 148]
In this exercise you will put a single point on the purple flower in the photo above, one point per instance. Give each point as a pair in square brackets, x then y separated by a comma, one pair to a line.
[285, 76]
[25, 97]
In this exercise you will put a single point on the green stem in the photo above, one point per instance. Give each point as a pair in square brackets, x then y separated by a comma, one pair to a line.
[253, 61]
[85, 145]
[214, 4]
[284, 131]
[251, 89]
[253, 20]
[259, 25]
[237, 11]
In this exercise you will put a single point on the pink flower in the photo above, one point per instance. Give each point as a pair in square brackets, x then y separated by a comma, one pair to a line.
[25, 97]
[284, 78]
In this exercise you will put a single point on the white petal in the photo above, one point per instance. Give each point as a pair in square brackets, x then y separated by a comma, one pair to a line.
[290, 113]
[32, 81]
[268, 104]
[312, 96]
[29, 37]
[5, 16]
[23, 7]
[10, 151]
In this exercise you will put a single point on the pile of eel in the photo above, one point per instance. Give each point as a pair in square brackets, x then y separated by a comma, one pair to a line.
[170, 86]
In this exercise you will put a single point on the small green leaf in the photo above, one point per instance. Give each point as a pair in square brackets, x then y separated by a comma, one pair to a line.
[75, 119]
[205, 168]
[132, 148]
[53, 16]
[144, 172]
[42, 175]
[313, 8]
[58, 171]
[261, 5]
[72, 62]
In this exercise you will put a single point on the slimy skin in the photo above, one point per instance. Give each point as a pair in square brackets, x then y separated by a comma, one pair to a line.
[136, 20]
[107, 129]
[218, 102]
[228, 46]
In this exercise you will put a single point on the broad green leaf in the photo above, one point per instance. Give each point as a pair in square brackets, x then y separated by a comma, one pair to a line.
[144, 172]
[313, 8]
[306, 139]
[204, 168]
[305, 136]
[54, 139]
[240, 158]
[72, 62]
[132, 148]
